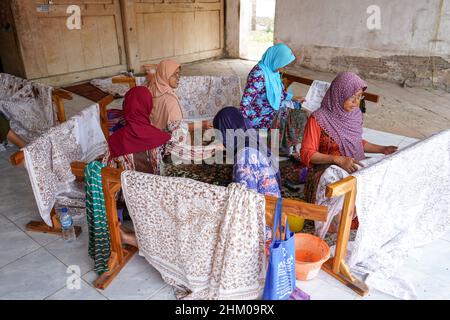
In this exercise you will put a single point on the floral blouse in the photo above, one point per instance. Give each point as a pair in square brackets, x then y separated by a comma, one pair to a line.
[256, 172]
[254, 104]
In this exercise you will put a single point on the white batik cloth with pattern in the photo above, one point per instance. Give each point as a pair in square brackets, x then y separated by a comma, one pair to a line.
[201, 97]
[206, 240]
[402, 203]
[48, 160]
[27, 105]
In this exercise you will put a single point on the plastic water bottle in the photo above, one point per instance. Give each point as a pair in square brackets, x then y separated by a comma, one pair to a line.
[68, 230]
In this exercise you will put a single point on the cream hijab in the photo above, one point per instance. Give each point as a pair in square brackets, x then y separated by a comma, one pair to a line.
[166, 106]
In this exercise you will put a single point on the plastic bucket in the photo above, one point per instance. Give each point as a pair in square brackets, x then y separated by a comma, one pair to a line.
[296, 223]
[310, 253]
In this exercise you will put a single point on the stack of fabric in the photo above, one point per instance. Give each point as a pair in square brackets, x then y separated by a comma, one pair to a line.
[48, 160]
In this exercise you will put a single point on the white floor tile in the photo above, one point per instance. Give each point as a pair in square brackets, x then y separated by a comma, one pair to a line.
[446, 236]
[137, 280]
[34, 276]
[73, 253]
[320, 289]
[166, 293]
[14, 243]
[42, 238]
[86, 292]
[377, 295]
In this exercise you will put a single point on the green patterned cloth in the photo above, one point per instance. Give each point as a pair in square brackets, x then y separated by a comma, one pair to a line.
[99, 242]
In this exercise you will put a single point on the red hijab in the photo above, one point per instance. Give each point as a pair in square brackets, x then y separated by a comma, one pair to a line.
[138, 134]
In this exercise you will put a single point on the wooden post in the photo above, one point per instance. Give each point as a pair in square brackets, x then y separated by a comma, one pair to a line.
[336, 266]
[120, 254]
[58, 97]
[103, 103]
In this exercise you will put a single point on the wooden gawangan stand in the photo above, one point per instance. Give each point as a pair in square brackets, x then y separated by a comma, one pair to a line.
[18, 158]
[335, 266]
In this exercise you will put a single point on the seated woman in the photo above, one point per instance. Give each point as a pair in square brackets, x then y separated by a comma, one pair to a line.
[167, 114]
[6, 133]
[333, 135]
[265, 99]
[251, 167]
[136, 145]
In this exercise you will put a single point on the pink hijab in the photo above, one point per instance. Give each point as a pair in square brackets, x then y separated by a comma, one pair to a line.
[344, 127]
[167, 107]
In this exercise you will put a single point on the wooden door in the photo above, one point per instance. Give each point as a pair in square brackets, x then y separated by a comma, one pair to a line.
[57, 55]
[185, 30]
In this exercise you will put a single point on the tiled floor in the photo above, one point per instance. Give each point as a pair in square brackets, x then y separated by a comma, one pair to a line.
[35, 266]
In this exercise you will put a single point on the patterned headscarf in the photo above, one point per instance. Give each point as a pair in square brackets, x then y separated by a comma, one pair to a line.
[277, 56]
[344, 127]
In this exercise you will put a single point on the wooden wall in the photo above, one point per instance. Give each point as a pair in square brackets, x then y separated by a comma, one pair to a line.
[115, 35]
[186, 30]
[9, 50]
[51, 51]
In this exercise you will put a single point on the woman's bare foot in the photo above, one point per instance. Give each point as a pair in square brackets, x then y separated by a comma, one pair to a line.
[128, 237]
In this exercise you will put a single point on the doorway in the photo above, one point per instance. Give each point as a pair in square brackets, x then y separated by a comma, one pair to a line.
[256, 32]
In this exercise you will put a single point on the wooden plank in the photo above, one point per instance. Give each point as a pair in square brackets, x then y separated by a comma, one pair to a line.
[78, 2]
[73, 49]
[296, 208]
[90, 42]
[63, 94]
[159, 27]
[208, 30]
[176, 7]
[104, 114]
[346, 186]
[191, 57]
[9, 50]
[144, 48]
[53, 44]
[108, 41]
[185, 41]
[341, 187]
[29, 34]
[133, 27]
[86, 10]
[70, 78]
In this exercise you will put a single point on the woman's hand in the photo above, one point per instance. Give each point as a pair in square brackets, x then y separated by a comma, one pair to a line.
[347, 163]
[299, 99]
[389, 149]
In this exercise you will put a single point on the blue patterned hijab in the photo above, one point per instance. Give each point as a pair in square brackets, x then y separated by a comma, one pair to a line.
[277, 56]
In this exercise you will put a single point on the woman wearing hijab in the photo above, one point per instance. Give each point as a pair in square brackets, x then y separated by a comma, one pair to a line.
[134, 145]
[251, 165]
[265, 99]
[167, 114]
[333, 133]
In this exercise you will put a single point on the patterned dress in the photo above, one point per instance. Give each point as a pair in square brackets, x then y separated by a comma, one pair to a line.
[254, 104]
[256, 172]
[256, 107]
